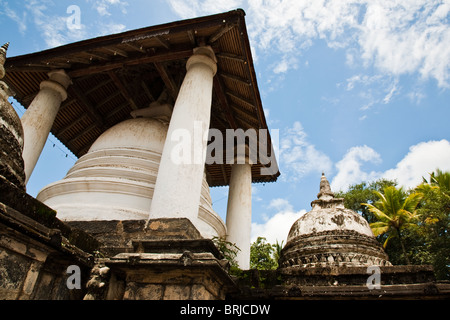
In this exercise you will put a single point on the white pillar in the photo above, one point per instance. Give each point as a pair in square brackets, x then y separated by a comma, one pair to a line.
[179, 181]
[239, 212]
[38, 120]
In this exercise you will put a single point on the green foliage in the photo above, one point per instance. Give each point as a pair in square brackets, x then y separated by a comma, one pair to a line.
[413, 224]
[229, 251]
[277, 251]
[434, 223]
[261, 255]
[394, 210]
[359, 194]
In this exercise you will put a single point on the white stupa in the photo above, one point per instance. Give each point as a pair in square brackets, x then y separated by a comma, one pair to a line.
[115, 179]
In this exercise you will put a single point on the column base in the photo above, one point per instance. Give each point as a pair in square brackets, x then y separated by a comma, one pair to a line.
[166, 270]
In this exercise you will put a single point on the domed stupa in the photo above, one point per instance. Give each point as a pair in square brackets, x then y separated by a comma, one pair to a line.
[331, 235]
[11, 133]
[116, 178]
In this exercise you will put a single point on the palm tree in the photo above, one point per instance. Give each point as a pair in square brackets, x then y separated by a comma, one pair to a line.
[441, 180]
[277, 253]
[394, 211]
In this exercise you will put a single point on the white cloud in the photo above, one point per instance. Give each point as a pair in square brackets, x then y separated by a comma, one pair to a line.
[349, 168]
[53, 28]
[362, 79]
[407, 36]
[396, 36]
[194, 8]
[110, 28]
[287, 63]
[392, 91]
[276, 228]
[422, 159]
[298, 157]
[103, 6]
[13, 15]
[416, 96]
[372, 89]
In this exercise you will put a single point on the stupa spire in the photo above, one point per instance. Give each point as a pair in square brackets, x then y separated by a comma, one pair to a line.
[325, 192]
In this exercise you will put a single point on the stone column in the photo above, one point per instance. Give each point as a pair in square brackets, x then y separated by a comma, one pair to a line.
[180, 173]
[38, 120]
[239, 212]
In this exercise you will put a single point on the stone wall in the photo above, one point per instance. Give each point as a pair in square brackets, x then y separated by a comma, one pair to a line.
[340, 283]
[164, 269]
[36, 249]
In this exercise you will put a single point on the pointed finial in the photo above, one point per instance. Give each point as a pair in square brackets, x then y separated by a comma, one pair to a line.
[325, 189]
[5, 46]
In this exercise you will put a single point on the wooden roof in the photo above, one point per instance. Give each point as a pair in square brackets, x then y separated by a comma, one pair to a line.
[116, 74]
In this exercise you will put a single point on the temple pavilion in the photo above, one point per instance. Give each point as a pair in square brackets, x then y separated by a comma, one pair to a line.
[118, 103]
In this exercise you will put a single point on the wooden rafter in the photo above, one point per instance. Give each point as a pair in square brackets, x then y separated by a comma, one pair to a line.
[160, 56]
[236, 78]
[73, 124]
[115, 51]
[147, 91]
[163, 42]
[167, 79]
[75, 89]
[67, 103]
[99, 85]
[82, 133]
[220, 33]
[219, 91]
[117, 109]
[139, 48]
[241, 99]
[122, 89]
[191, 35]
[108, 99]
[231, 56]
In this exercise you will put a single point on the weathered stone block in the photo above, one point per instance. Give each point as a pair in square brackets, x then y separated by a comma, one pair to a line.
[177, 292]
[199, 292]
[136, 291]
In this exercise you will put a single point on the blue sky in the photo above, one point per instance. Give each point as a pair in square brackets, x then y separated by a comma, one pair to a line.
[359, 89]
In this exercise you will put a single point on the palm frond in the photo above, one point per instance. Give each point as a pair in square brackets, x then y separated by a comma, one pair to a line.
[391, 235]
[379, 228]
[377, 212]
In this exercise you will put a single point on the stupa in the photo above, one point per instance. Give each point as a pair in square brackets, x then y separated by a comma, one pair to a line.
[331, 235]
[116, 178]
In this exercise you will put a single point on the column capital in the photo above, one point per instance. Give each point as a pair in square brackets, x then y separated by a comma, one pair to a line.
[203, 55]
[241, 154]
[60, 76]
[58, 81]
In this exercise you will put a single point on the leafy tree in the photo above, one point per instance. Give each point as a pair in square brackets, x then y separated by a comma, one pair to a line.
[359, 194]
[261, 255]
[395, 210]
[434, 223]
